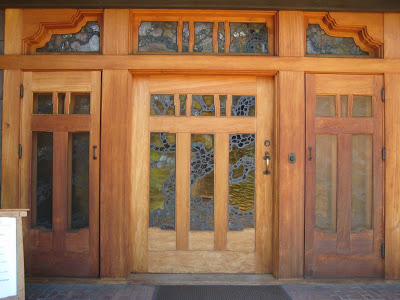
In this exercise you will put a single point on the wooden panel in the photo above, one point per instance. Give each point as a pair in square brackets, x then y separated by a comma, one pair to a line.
[392, 176]
[40, 240]
[138, 175]
[10, 140]
[199, 124]
[78, 242]
[291, 176]
[113, 164]
[291, 33]
[363, 242]
[183, 153]
[61, 81]
[344, 126]
[116, 31]
[359, 85]
[242, 240]
[200, 84]
[161, 240]
[323, 242]
[13, 31]
[391, 35]
[221, 193]
[264, 183]
[61, 123]
[201, 262]
[201, 240]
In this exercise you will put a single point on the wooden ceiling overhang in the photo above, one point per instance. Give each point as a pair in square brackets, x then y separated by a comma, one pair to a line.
[305, 5]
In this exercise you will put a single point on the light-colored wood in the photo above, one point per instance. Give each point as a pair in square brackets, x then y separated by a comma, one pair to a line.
[391, 35]
[201, 240]
[291, 176]
[182, 204]
[221, 193]
[201, 262]
[197, 124]
[116, 31]
[138, 172]
[291, 35]
[347, 125]
[113, 167]
[62, 81]
[242, 240]
[161, 240]
[13, 31]
[61, 122]
[264, 183]
[10, 140]
[392, 176]
[360, 84]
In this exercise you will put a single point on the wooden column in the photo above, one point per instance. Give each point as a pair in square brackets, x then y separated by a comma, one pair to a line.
[114, 257]
[288, 248]
[392, 141]
[11, 112]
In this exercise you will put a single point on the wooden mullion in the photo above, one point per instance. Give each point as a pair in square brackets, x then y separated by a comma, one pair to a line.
[338, 106]
[67, 103]
[217, 105]
[189, 105]
[228, 105]
[227, 36]
[350, 106]
[55, 103]
[191, 36]
[179, 36]
[177, 105]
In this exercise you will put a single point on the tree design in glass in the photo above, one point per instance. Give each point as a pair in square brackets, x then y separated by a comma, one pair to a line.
[248, 38]
[86, 40]
[162, 180]
[162, 105]
[318, 42]
[203, 37]
[241, 181]
[243, 106]
[203, 105]
[202, 182]
[158, 37]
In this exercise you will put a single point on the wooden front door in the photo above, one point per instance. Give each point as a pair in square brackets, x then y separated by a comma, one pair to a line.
[202, 197]
[60, 172]
[344, 193]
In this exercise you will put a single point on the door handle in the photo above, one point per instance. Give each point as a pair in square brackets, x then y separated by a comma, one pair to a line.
[94, 152]
[267, 159]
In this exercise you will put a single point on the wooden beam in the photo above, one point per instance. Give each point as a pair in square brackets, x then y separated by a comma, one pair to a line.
[13, 31]
[391, 25]
[291, 37]
[116, 31]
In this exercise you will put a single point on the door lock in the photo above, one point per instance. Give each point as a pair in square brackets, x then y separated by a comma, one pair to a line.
[292, 158]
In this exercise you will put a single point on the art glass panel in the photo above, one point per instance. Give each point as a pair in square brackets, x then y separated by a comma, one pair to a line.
[61, 103]
[243, 106]
[241, 181]
[248, 38]
[86, 40]
[182, 101]
[162, 105]
[158, 36]
[42, 103]
[203, 105]
[80, 104]
[203, 37]
[362, 106]
[162, 180]
[222, 103]
[221, 37]
[202, 182]
[325, 106]
[343, 105]
[318, 42]
[185, 37]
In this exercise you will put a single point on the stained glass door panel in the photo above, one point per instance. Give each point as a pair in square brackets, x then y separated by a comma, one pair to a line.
[207, 202]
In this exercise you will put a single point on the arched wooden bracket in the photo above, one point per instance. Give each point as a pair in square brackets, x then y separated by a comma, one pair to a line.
[365, 28]
[40, 25]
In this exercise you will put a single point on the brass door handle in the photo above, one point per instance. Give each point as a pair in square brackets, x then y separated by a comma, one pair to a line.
[267, 159]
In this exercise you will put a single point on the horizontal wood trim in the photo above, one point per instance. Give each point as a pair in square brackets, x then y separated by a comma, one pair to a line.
[201, 262]
[60, 123]
[62, 82]
[359, 84]
[161, 240]
[241, 240]
[249, 65]
[201, 240]
[203, 124]
[345, 125]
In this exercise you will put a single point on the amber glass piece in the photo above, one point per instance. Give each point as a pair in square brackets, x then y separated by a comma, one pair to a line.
[361, 183]
[241, 181]
[42, 103]
[79, 180]
[326, 106]
[158, 36]
[61, 103]
[80, 103]
[325, 182]
[162, 105]
[222, 103]
[203, 37]
[202, 182]
[343, 105]
[162, 180]
[182, 101]
[42, 179]
[203, 105]
[362, 106]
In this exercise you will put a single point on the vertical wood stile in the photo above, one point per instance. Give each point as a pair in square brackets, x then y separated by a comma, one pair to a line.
[116, 31]
[229, 106]
[227, 36]
[179, 40]
[177, 105]
[338, 106]
[183, 152]
[67, 103]
[191, 36]
[55, 103]
[350, 106]
[189, 105]
[291, 35]
[217, 105]
[221, 192]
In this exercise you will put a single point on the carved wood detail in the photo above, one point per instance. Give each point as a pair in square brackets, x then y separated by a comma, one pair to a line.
[365, 28]
[47, 28]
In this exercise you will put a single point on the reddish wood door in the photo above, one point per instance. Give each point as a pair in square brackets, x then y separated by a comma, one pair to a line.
[344, 176]
[60, 172]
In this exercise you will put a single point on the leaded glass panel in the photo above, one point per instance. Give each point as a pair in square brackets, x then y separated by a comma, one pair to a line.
[162, 180]
[158, 36]
[241, 181]
[221, 37]
[222, 103]
[243, 106]
[86, 40]
[162, 105]
[203, 37]
[42, 103]
[182, 101]
[248, 38]
[185, 37]
[203, 105]
[80, 104]
[202, 182]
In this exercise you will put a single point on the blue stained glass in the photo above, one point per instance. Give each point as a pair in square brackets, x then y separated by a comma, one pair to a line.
[158, 37]
[249, 38]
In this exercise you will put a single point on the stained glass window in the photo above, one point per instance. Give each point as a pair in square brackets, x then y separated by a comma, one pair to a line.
[221, 37]
[182, 101]
[318, 42]
[243, 106]
[185, 37]
[222, 103]
[203, 37]
[158, 37]
[203, 105]
[249, 38]
[42, 103]
[162, 180]
[162, 105]
[86, 40]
